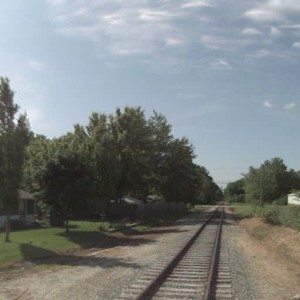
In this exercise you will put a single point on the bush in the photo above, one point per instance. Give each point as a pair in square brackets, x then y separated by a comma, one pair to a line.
[268, 214]
[280, 215]
[17, 225]
[280, 201]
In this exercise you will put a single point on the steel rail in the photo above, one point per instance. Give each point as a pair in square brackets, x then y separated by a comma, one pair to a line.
[214, 260]
[154, 284]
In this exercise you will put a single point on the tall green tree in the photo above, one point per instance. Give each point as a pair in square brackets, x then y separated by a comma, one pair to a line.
[269, 182]
[66, 187]
[177, 171]
[104, 159]
[210, 192]
[38, 153]
[132, 136]
[14, 136]
[161, 138]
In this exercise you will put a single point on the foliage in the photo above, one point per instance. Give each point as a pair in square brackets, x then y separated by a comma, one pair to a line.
[209, 191]
[14, 136]
[281, 201]
[66, 185]
[243, 210]
[288, 216]
[268, 183]
[282, 215]
[124, 154]
[235, 191]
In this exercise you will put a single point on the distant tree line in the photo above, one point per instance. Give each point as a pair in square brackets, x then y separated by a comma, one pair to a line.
[114, 155]
[270, 183]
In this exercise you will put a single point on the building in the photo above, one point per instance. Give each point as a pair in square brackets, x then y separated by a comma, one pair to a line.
[293, 198]
[26, 210]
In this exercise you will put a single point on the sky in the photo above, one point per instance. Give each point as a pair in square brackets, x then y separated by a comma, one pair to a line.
[225, 73]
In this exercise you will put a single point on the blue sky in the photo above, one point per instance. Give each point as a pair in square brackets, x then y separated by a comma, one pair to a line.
[225, 73]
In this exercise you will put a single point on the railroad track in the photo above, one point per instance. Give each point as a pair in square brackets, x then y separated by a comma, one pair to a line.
[199, 270]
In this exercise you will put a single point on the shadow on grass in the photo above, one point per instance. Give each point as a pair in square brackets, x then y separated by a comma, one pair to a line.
[39, 255]
[132, 231]
[83, 239]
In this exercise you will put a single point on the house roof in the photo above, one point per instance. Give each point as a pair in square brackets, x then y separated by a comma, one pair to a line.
[25, 195]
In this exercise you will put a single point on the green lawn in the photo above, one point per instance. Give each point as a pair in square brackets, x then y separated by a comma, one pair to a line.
[43, 242]
[242, 210]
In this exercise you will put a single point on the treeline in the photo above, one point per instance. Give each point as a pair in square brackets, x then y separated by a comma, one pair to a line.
[270, 183]
[114, 155]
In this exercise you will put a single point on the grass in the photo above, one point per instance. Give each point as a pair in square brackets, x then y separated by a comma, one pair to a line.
[285, 215]
[36, 243]
[201, 207]
[243, 210]
[48, 241]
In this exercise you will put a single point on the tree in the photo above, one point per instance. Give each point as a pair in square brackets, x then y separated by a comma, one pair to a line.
[38, 153]
[177, 171]
[66, 184]
[260, 185]
[161, 138]
[209, 192]
[270, 181]
[132, 137]
[120, 154]
[235, 191]
[14, 136]
[104, 159]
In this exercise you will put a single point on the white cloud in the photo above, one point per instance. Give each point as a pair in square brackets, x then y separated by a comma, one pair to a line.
[35, 65]
[293, 26]
[221, 64]
[173, 42]
[218, 42]
[296, 45]
[152, 15]
[197, 3]
[268, 104]
[120, 29]
[273, 10]
[261, 14]
[113, 19]
[149, 29]
[261, 53]
[289, 106]
[251, 31]
[274, 31]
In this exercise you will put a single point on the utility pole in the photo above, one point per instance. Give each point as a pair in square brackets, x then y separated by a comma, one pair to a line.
[260, 186]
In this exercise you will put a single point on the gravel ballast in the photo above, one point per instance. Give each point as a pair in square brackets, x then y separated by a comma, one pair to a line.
[103, 273]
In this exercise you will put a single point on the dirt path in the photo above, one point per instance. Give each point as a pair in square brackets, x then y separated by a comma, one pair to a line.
[273, 253]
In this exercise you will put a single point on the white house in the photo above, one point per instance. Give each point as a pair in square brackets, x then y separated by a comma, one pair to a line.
[26, 209]
[293, 198]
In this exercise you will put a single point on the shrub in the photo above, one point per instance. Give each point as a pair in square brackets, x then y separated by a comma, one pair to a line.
[268, 214]
[17, 225]
[281, 201]
[280, 215]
